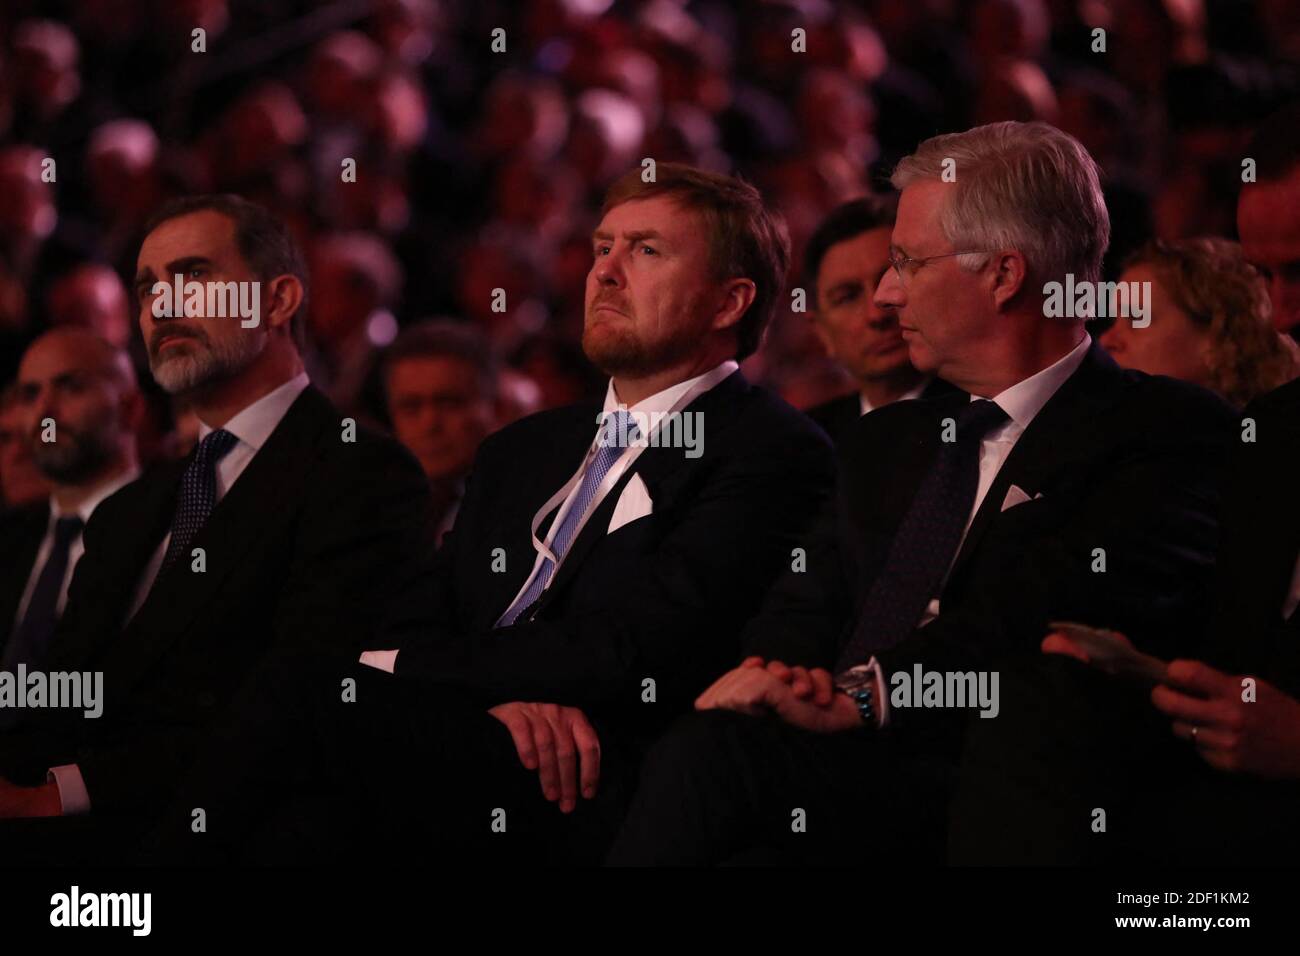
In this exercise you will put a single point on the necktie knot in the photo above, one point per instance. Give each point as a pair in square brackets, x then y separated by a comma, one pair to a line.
[67, 528]
[618, 430]
[215, 446]
[978, 419]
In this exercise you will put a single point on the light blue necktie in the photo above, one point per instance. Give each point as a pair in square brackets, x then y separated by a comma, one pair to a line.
[608, 451]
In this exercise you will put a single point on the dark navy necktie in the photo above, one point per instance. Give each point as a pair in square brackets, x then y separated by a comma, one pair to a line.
[926, 543]
[198, 495]
[32, 636]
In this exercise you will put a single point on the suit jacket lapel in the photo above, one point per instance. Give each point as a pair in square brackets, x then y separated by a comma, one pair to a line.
[148, 509]
[659, 468]
[1074, 411]
[549, 467]
[255, 504]
[23, 531]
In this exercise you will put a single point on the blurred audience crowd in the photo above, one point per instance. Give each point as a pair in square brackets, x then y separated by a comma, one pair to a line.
[479, 168]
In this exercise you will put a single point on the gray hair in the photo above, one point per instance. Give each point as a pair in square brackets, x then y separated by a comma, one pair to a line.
[1023, 186]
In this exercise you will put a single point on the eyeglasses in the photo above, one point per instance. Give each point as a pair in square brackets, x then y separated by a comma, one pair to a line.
[898, 262]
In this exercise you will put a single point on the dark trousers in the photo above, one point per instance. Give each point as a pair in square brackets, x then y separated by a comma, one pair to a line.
[1070, 745]
[408, 771]
[726, 788]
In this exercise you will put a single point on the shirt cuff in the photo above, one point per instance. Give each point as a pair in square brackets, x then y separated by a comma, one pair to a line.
[881, 700]
[73, 796]
[380, 660]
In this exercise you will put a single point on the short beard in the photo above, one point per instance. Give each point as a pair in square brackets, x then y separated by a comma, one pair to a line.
[212, 361]
[76, 456]
[621, 353]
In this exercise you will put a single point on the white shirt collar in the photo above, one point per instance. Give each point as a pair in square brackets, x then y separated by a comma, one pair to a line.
[910, 393]
[662, 402]
[88, 506]
[253, 425]
[1024, 400]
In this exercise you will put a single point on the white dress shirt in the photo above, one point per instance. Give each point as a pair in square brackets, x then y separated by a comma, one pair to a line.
[252, 426]
[1022, 402]
[674, 398]
[77, 547]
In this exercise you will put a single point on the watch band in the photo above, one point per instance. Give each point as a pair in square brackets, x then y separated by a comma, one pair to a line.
[864, 697]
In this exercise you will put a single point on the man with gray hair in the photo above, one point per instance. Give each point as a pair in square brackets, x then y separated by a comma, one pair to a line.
[1060, 488]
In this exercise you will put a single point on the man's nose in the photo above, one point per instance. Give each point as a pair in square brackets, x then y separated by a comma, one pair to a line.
[889, 292]
[608, 270]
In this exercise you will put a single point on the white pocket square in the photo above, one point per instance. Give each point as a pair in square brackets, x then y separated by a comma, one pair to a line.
[633, 503]
[1017, 496]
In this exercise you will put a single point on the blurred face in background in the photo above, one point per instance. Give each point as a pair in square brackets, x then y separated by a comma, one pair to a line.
[1270, 239]
[21, 482]
[860, 335]
[70, 378]
[92, 297]
[441, 411]
[1171, 345]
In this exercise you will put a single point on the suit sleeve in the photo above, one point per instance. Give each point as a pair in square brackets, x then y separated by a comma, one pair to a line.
[678, 622]
[363, 540]
[802, 619]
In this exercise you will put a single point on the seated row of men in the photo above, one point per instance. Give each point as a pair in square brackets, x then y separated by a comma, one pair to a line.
[679, 626]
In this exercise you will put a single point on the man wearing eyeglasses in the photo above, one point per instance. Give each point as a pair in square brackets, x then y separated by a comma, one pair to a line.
[1059, 488]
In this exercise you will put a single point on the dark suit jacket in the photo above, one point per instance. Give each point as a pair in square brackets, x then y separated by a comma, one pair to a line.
[303, 553]
[1124, 461]
[1261, 541]
[21, 531]
[838, 416]
[663, 597]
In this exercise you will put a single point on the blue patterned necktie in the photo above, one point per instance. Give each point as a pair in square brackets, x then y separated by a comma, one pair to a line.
[610, 447]
[198, 494]
[926, 543]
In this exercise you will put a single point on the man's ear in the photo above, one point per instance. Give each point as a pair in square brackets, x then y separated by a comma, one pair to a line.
[284, 294]
[1008, 273]
[738, 295]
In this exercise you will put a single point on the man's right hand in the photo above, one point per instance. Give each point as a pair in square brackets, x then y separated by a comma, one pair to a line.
[816, 685]
[559, 743]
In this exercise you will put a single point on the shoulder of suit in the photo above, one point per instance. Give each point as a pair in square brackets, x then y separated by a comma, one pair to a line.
[1283, 403]
[828, 410]
[35, 514]
[544, 426]
[763, 418]
[1161, 397]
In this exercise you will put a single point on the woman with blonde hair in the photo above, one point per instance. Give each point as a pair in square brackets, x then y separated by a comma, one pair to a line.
[1209, 321]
